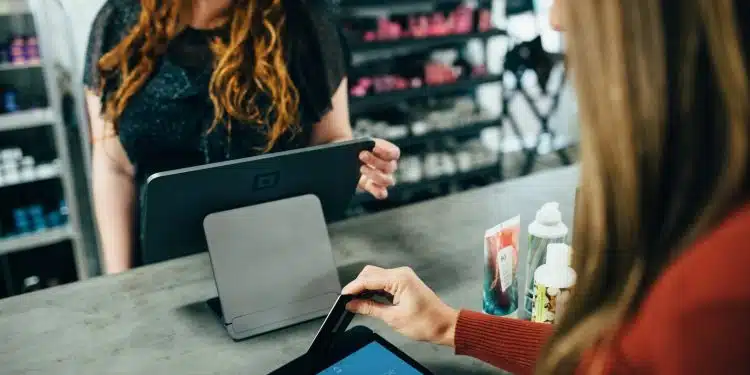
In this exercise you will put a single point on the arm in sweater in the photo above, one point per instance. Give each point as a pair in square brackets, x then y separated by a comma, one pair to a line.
[709, 339]
[509, 344]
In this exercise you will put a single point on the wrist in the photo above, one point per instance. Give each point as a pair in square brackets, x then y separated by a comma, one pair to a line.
[446, 334]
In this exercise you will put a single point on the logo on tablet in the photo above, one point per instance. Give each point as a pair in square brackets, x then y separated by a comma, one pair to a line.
[266, 181]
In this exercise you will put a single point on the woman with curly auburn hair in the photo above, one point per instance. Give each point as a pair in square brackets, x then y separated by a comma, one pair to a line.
[177, 83]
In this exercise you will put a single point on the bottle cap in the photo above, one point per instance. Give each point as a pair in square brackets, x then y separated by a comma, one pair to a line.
[549, 214]
[558, 255]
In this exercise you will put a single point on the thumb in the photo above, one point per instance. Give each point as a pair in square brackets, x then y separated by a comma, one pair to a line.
[368, 307]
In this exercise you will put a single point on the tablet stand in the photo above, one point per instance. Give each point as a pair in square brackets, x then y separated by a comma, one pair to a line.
[273, 265]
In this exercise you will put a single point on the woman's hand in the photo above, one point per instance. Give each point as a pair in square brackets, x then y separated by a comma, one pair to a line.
[378, 168]
[417, 312]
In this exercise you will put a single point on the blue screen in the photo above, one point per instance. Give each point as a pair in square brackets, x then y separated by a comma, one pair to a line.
[372, 359]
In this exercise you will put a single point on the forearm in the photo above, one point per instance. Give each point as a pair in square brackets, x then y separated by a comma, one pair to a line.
[506, 343]
[114, 196]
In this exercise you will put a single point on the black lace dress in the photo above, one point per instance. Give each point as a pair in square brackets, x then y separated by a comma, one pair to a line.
[165, 124]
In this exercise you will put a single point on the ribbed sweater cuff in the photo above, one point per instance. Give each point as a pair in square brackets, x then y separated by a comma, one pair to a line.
[510, 344]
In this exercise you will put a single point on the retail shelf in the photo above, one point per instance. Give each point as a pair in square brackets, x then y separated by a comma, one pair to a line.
[458, 131]
[46, 178]
[359, 47]
[33, 240]
[360, 104]
[413, 187]
[12, 67]
[13, 7]
[26, 119]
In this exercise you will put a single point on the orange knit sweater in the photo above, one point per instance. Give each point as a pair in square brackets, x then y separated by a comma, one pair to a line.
[695, 320]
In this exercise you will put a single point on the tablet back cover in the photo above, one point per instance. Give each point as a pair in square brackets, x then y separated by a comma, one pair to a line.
[273, 264]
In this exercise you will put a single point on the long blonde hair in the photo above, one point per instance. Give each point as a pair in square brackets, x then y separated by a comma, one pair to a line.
[662, 88]
[252, 62]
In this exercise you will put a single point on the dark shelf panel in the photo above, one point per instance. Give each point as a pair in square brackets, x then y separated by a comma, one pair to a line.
[458, 131]
[360, 104]
[401, 189]
[359, 47]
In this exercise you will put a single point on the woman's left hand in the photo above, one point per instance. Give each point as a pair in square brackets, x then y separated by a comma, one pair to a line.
[378, 168]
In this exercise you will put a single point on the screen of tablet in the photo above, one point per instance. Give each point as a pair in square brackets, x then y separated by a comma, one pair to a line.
[371, 359]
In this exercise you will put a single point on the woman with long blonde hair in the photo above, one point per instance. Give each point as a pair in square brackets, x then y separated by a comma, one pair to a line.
[177, 83]
[662, 237]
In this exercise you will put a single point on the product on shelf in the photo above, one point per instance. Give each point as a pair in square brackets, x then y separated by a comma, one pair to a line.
[17, 168]
[460, 20]
[414, 72]
[32, 50]
[34, 219]
[462, 112]
[13, 101]
[484, 19]
[466, 157]
[20, 50]
[8, 100]
[409, 169]
[31, 284]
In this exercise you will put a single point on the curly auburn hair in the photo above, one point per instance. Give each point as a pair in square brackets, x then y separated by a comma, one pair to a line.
[250, 63]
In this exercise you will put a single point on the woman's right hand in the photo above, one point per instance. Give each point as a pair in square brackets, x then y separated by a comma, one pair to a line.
[416, 312]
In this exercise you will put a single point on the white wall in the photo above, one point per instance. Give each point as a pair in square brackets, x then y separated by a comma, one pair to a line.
[80, 14]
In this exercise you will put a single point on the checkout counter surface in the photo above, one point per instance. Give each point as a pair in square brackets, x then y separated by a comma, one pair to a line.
[154, 320]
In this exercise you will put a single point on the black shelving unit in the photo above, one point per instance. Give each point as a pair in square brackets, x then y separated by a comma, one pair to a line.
[360, 106]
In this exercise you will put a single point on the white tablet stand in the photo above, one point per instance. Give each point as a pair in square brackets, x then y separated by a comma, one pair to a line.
[273, 265]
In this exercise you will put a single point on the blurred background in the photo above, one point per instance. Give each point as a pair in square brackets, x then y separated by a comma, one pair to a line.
[474, 92]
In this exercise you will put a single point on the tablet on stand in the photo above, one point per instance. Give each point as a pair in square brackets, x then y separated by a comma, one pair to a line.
[263, 221]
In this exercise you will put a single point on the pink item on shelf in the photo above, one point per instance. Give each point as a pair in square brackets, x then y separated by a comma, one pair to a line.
[479, 70]
[361, 88]
[16, 51]
[358, 91]
[32, 50]
[394, 31]
[381, 84]
[413, 26]
[421, 27]
[370, 36]
[462, 18]
[433, 74]
[383, 28]
[401, 84]
[455, 73]
[438, 26]
[450, 23]
[485, 20]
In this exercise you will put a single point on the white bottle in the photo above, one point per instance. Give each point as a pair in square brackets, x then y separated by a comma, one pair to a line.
[546, 228]
[553, 281]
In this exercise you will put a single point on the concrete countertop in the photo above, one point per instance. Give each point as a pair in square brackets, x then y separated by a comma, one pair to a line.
[154, 320]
